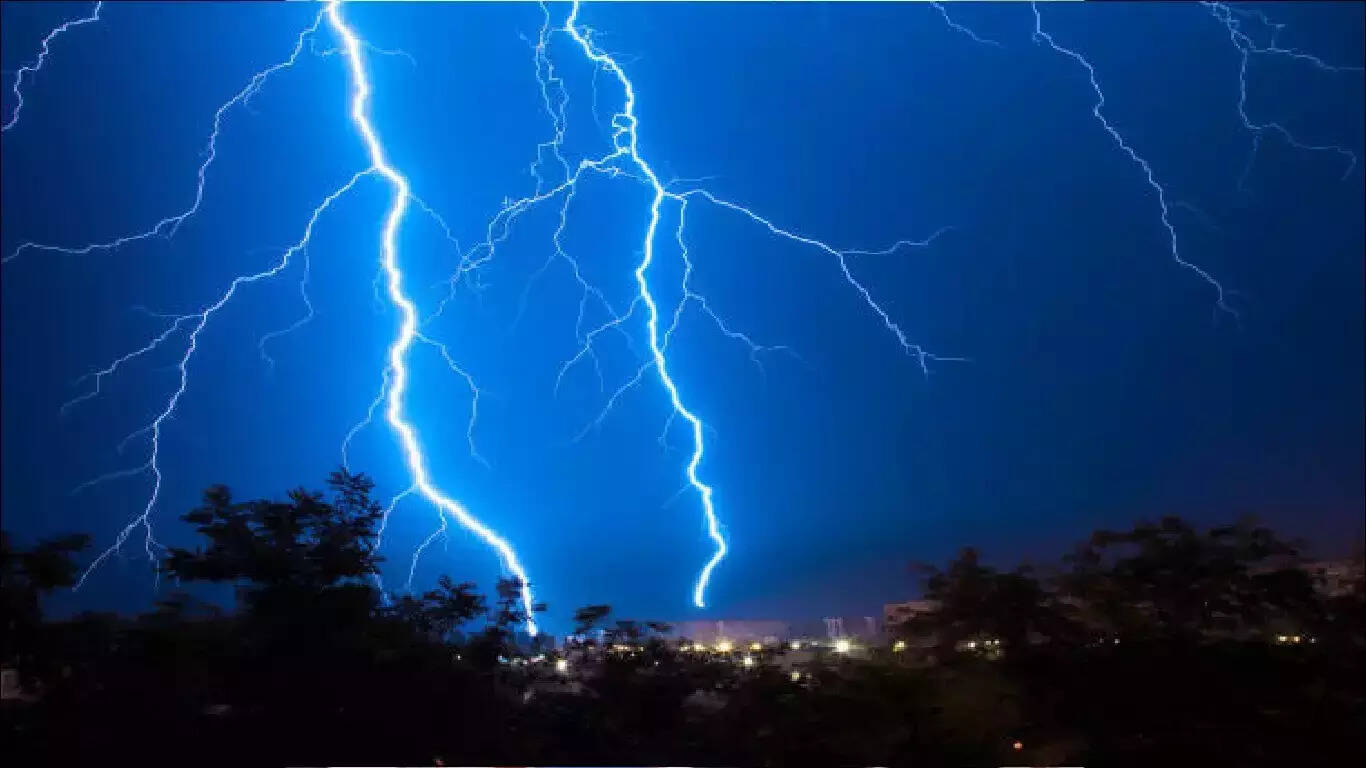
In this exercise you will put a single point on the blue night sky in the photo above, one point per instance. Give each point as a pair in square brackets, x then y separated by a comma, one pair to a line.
[1103, 384]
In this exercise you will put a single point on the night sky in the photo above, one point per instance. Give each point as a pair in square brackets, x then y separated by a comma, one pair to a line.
[1104, 385]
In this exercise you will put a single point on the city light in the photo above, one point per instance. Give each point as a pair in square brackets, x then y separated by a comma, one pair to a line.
[433, 705]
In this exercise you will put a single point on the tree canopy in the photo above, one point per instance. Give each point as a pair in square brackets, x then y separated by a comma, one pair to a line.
[313, 664]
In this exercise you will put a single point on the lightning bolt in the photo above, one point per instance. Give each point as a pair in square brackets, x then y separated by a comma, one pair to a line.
[197, 322]
[959, 28]
[1165, 216]
[408, 331]
[1231, 18]
[625, 160]
[32, 69]
[556, 174]
[396, 373]
[167, 227]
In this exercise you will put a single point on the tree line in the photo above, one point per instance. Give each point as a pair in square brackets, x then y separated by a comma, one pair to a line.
[314, 664]
[1164, 580]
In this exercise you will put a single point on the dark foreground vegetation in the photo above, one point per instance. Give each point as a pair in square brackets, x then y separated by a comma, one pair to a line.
[1159, 646]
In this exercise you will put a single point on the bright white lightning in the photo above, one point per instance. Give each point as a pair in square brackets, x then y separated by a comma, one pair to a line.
[408, 330]
[625, 151]
[624, 160]
[196, 322]
[18, 88]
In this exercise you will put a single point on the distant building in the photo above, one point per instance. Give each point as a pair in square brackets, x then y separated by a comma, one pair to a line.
[865, 628]
[834, 627]
[769, 633]
[597, 635]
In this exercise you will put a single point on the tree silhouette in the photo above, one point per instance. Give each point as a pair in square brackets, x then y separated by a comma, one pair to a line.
[626, 630]
[588, 617]
[25, 576]
[975, 600]
[310, 669]
[438, 613]
[1169, 579]
[306, 543]
[303, 568]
